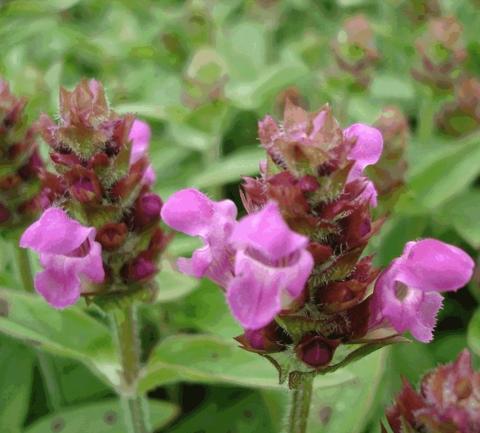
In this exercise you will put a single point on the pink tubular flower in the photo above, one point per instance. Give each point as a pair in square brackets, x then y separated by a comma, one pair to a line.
[407, 292]
[193, 213]
[367, 149]
[272, 266]
[68, 254]
[140, 135]
[261, 263]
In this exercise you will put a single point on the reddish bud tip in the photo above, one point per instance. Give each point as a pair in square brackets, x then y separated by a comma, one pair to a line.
[141, 269]
[316, 350]
[112, 235]
[147, 209]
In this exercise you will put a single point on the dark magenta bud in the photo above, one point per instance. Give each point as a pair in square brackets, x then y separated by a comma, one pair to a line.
[316, 350]
[147, 209]
[141, 269]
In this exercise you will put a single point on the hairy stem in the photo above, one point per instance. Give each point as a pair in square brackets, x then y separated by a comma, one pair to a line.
[300, 406]
[45, 362]
[133, 404]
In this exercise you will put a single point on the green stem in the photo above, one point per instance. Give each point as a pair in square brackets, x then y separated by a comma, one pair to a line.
[134, 405]
[24, 269]
[426, 124]
[301, 398]
[45, 363]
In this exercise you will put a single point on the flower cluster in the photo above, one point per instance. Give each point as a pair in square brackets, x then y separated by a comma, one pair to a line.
[448, 401]
[21, 196]
[102, 234]
[354, 49]
[442, 52]
[293, 269]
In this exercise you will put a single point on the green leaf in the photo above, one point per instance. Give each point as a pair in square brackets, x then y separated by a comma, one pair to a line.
[444, 178]
[391, 87]
[70, 374]
[347, 409]
[100, 417]
[70, 332]
[213, 360]
[172, 284]
[473, 334]
[204, 310]
[230, 410]
[463, 213]
[16, 365]
[230, 168]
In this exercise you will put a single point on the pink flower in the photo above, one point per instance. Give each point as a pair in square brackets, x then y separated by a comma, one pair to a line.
[272, 266]
[367, 149]
[140, 135]
[68, 254]
[262, 264]
[193, 213]
[407, 292]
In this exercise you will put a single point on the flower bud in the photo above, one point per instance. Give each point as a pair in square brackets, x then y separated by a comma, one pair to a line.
[112, 235]
[147, 209]
[140, 269]
[316, 351]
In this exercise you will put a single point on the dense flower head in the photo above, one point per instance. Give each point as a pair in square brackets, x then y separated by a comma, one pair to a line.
[442, 51]
[102, 183]
[355, 50]
[294, 270]
[21, 195]
[448, 401]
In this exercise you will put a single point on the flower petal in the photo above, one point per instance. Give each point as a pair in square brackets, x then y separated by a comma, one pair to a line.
[140, 135]
[268, 233]
[55, 233]
[432, 265]
[60, 289]
[193, 213]
[254, 294]
[405, 308]
[258, 292]
[368, 145]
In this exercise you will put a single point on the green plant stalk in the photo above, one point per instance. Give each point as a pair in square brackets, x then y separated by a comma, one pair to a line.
[45, 363]
[301, 398]
[426, 116]
[134, 405]
[24, 269]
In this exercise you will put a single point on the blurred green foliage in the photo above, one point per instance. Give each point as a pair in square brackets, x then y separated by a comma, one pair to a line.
[202, 73]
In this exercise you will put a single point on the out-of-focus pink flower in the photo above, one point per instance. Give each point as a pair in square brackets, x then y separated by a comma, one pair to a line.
[140, 135]
[272, 266]
[261, 263]
[366, 150]
[68, 254]
[407, 292]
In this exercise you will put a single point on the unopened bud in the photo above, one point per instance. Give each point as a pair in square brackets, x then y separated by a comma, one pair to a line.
[112, 235]
[316, 350]
[147, 209]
